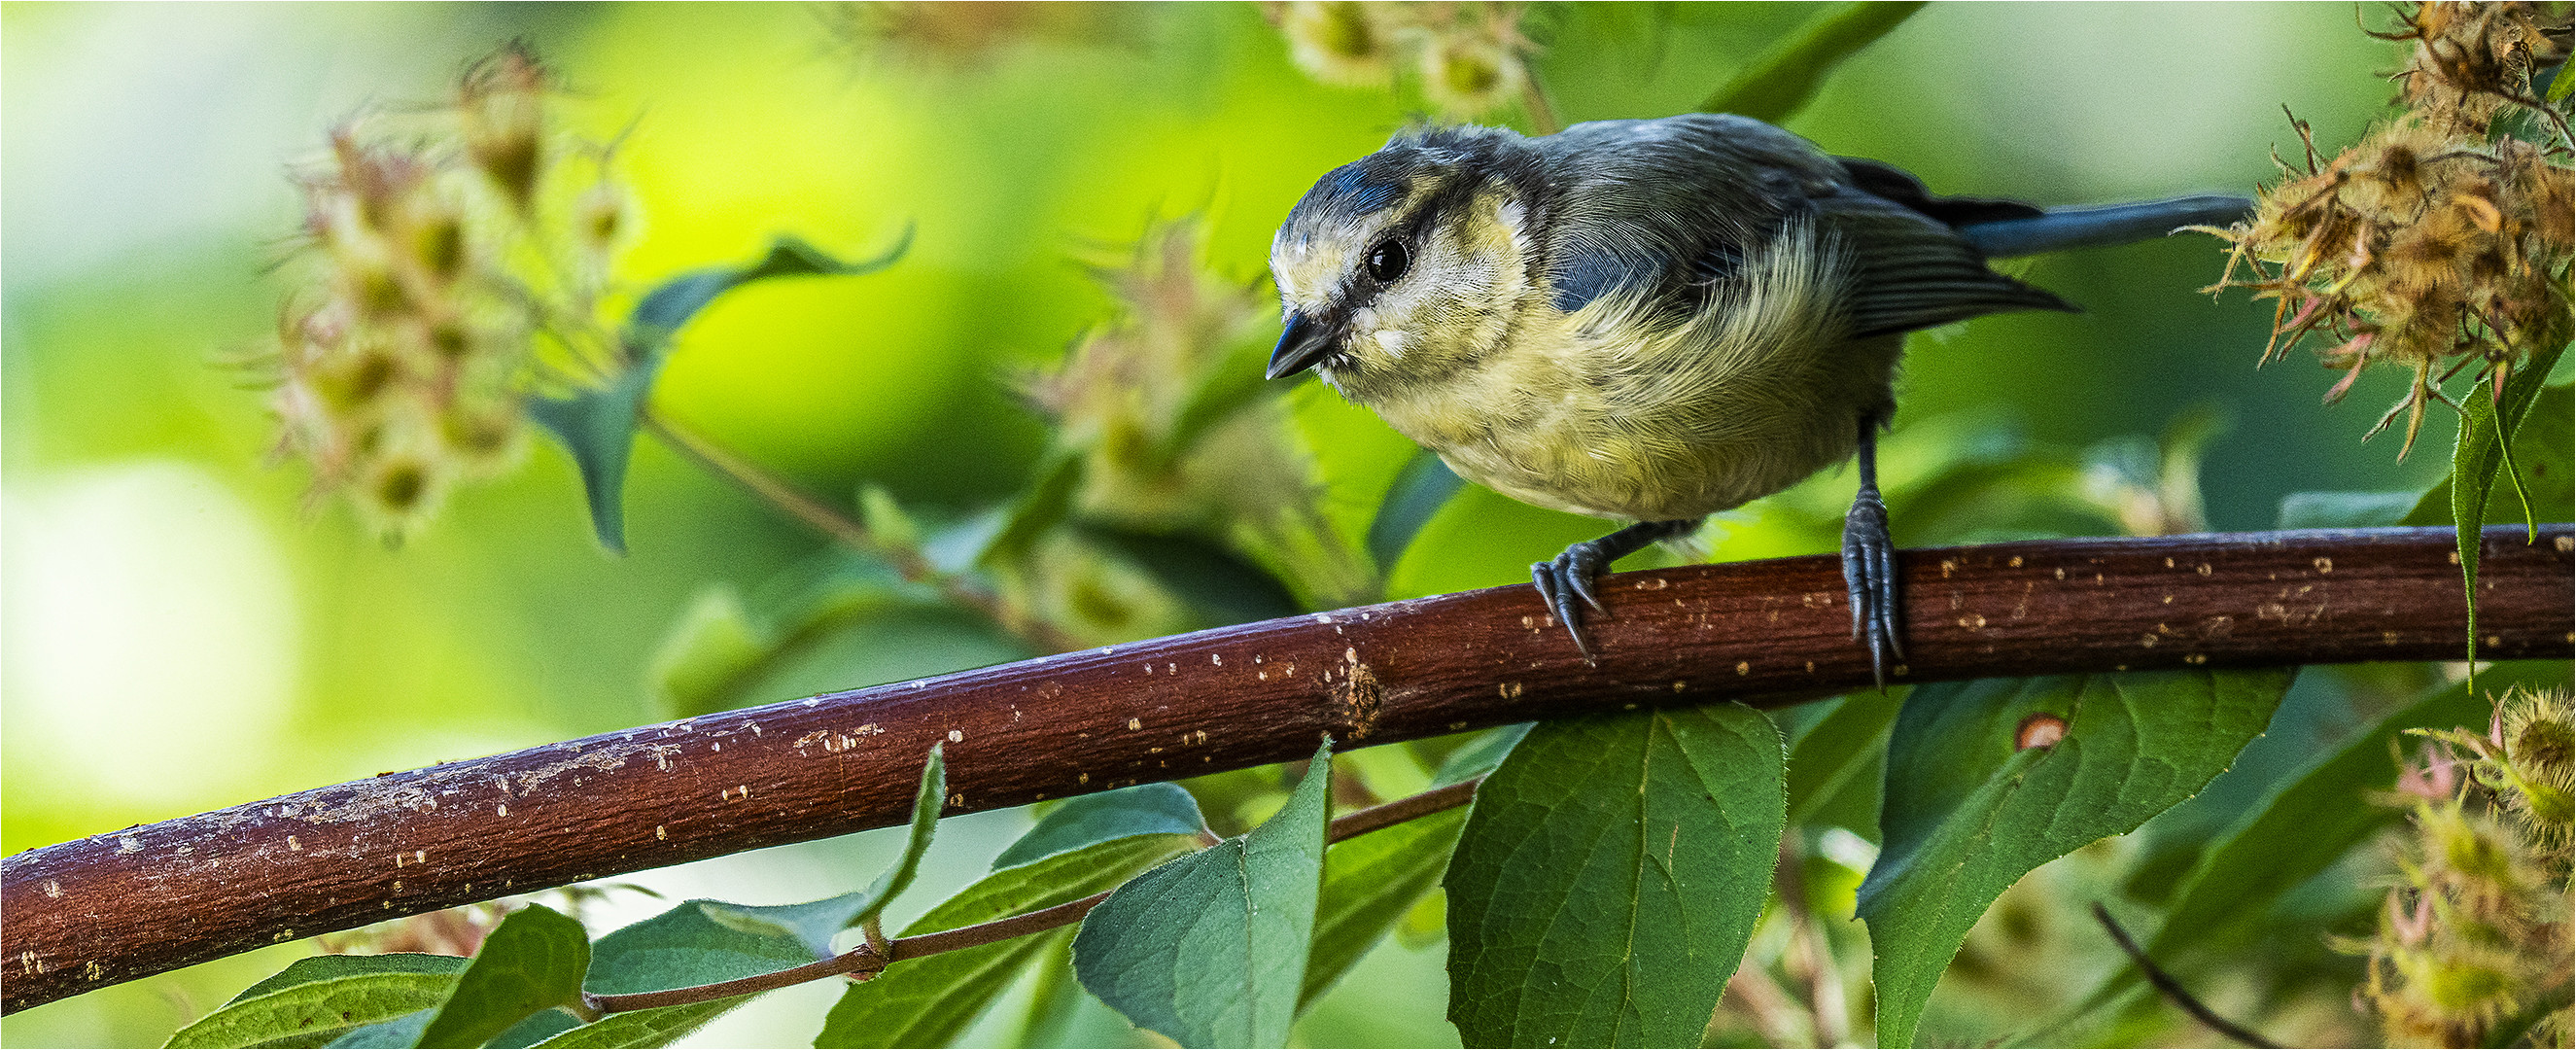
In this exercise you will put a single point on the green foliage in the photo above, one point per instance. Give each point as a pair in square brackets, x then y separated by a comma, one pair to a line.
[1419, 492]
[1978, 794]
[1210, 949]
[930, 1001]
[533, 961]
[660, 1026]
[1145, 809]
[1370, 884]
[315, 1000]
[598, 425]
[1609, 877]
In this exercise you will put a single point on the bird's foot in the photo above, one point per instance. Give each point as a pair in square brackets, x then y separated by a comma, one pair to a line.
[1567, 578]
[1869, 573]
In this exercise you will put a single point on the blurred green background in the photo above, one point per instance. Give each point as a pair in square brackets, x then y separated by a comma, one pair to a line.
[181, 631]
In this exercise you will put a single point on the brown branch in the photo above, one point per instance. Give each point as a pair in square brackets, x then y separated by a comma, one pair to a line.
[2173, 989]
[127, 904]
[864, 959]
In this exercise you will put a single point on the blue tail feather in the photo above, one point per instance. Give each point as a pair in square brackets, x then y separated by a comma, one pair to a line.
[2089, 227]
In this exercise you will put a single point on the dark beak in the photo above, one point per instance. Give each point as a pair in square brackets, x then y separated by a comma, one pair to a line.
[1305, 342]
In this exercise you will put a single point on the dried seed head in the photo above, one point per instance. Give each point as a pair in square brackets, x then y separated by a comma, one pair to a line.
[1341, 41]
[501, 103]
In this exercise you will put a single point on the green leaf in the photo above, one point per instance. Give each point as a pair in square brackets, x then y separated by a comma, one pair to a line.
[598, 425]
[2485, 415]
[2315, 817]
[1055, 999]
[1781, 81]
[1370, 883]
[2345, 510]
[1040, 507]
[1210, 949]
[1419, 492]
[1838, 754]
[534, 960]
[539, 1027]
[403, 1031]
[1159, 808]
[660, 1026]
[1610, 875]
[1966, 813]
[926, 803]
[1215, 582]
[1480, 756]
[931, 1000]
[812, 924]
[330, 967]
[687, 946]
[314, 1000]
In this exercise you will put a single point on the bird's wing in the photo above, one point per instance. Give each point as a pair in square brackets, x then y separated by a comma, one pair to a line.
[1911, 271]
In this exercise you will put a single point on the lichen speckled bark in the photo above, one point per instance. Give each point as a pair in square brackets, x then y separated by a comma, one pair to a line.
[127, 904]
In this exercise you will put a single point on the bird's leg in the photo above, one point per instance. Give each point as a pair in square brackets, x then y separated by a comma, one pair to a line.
[1869, 562]
[1569, 577]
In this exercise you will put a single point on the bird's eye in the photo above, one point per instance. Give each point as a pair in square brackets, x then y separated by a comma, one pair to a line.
[1388, 261]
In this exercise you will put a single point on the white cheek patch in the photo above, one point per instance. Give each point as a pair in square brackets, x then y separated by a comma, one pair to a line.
[1393, 342]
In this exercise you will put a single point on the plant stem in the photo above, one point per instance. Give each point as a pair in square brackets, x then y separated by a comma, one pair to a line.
[2173, 989]
[851, 533]
[867, 959]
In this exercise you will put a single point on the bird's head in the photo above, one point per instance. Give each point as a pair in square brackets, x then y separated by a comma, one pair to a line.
[1406, 264]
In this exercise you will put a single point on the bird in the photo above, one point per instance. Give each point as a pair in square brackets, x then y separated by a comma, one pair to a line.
[1654, 320]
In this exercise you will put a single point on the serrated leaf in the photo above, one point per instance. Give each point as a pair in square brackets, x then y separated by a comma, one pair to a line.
[1780, 82]
[1609, 877]
[1217, 583]
[660, 1026]
[685, 947]
[597, 426]
[314, 1000]
[403, 1031]
[2345, 510]
[1420, 490]
[1370, 883]
[534, 960]
[2304, 824]
[1966, 813]
[1159, 808]
[2315, 817]
[1210, 949]
[931, 1000]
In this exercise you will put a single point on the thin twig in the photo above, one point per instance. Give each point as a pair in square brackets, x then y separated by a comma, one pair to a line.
[1534, 104]
[851, 533]
[2173, 989]
[865, 959]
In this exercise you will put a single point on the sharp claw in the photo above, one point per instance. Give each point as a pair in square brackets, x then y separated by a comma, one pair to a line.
[1551, 578]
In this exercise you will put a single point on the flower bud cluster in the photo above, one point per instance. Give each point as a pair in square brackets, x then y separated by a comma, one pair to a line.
[2476, 934]
[2438, 243]
[1471, 58]
[433, 257]
[1178, 431]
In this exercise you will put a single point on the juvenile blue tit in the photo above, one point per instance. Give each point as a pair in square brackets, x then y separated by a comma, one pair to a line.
[1653, 320]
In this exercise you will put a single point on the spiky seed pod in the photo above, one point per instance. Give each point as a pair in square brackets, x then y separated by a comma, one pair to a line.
[1466, 74]
[1341, 41]
[501, 108]
[2428, 244]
